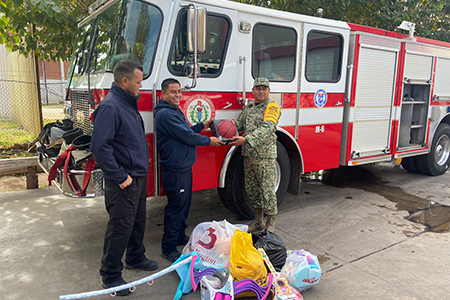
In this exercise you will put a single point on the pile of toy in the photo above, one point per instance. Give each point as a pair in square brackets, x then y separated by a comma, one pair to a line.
[225, 262]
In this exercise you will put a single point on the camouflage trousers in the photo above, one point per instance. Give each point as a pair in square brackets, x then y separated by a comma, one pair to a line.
[260, 176]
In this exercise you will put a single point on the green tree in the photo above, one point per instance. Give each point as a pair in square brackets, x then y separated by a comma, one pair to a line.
[432, 17]
[44, 27]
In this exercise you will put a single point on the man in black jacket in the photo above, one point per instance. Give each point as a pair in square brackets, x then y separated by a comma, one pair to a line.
[120, 150]
[177, 142]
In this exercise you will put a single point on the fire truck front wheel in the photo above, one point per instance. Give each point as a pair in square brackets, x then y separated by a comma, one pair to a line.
[226, 194]
[233, 195]
[437, 161]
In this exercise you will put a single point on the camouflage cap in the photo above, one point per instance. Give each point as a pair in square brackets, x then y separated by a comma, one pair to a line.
[261, 81]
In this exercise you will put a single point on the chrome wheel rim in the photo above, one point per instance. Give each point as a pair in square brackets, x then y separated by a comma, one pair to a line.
[442, 150]
[278, 179]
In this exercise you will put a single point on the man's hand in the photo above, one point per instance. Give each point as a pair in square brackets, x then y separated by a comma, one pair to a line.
[237, 141]
[126, 183]
[206, 124]
[215, 142]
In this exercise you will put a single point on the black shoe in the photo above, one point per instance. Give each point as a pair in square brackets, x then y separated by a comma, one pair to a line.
[183, 241]
[117, 283]
[146, 265]
[172, 256]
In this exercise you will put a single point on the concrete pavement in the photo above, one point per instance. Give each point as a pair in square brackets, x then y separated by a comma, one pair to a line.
[51, 245]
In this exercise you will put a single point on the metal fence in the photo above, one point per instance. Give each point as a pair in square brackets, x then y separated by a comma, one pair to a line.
[20, 111]
[53, 94]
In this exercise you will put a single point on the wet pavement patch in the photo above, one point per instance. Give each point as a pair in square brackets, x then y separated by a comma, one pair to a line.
[434, 215]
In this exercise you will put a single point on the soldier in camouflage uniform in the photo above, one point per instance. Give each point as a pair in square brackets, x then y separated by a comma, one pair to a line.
[259, 147]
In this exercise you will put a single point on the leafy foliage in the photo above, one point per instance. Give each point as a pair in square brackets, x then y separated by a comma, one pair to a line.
[48, 27]
[432, 17]
[44, 27]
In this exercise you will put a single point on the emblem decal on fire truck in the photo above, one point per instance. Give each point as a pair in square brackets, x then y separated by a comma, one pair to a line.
[79, 116]
[198, 109]
[320, 98]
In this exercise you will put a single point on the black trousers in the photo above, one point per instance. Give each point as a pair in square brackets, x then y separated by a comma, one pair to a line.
[178, 188]
[126, 226]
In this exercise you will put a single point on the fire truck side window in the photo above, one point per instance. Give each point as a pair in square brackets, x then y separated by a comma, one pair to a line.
[274, 52]
[128, 30]
[217, 35]
[323, 57]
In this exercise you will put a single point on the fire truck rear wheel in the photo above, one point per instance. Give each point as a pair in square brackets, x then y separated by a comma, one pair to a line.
[410, 164]
[234, 196]
[437, 161]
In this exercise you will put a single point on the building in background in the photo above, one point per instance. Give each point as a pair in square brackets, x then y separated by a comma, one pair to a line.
[53, 79]
[19, 101]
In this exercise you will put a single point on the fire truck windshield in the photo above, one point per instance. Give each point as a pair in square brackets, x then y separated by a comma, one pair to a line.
[127, 30]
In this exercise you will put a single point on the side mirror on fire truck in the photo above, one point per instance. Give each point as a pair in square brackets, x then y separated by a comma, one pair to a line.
[196, 28]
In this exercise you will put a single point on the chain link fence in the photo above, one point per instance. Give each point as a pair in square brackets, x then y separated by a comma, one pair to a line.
[20, 110]
[53, 94]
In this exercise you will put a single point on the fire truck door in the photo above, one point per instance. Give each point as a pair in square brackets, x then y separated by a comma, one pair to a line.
[372, 113]
[214, 96]
[415, 100]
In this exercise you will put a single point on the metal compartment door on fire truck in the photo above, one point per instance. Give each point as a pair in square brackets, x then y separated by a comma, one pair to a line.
[369, 113]
[424, 118]
[415, 99]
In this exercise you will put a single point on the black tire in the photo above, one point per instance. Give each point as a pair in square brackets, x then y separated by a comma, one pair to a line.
[410, 164]
[233, 195]
[226, 200]
[437, 161]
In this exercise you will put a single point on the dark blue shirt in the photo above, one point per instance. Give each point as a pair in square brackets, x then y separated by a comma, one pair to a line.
[176, 139]
[118, 141]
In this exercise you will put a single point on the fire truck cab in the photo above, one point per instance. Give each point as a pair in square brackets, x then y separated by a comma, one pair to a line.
[348, 94]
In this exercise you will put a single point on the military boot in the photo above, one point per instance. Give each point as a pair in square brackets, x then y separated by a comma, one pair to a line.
[258, 223]
[271, 223]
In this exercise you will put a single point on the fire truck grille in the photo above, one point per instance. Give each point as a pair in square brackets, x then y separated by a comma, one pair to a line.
[80, 111]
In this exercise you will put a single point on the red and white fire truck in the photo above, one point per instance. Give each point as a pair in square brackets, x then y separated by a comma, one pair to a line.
[349, 94]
